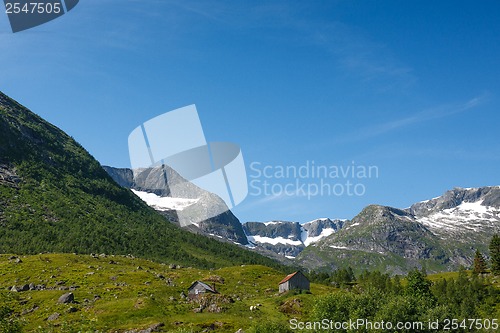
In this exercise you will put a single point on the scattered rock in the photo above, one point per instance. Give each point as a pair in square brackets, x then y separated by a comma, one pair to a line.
[160, 276]
[240, 331]
[53, 316]
[12, 257]
[19, 289]
[66, 298]
[112, 262]
[25, 312]
[18, 261]
[156, 327]
[213, 308]
[151, 329]
[198, 310]
[291, 306]
[72, 309]
[97, 297]
[215, 278]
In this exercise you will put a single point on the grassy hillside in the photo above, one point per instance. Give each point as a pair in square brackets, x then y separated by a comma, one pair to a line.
[55, 197]
[118, 293]
[123, 294]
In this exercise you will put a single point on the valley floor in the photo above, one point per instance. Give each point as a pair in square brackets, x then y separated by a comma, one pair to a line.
[119, 294]
[125, 294]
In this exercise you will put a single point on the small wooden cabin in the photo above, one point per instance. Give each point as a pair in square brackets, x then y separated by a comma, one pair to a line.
[199, 288]
[292, 281]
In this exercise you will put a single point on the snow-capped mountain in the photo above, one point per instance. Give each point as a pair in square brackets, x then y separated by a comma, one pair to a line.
[192, 202]
[462, 213]
[440, 234]
[289, 238]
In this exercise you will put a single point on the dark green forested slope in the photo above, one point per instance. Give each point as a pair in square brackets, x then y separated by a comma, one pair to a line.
[55, 197]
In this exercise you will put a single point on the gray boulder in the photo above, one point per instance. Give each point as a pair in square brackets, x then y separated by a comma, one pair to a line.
[66, 298]
[53, 316]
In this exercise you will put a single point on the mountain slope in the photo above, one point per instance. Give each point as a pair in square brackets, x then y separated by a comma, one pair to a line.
[55, 197]
[463, 215]
[440, 234]
[195, 203]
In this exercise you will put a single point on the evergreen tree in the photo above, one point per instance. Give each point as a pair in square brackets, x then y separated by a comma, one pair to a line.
[479, 263]
[418, 285]
[495, 254]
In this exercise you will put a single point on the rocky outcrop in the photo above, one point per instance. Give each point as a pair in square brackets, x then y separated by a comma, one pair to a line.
[163, 181]
[439, 234]
[289, 238]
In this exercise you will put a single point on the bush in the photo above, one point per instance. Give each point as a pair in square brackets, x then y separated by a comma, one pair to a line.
[7, 324]
[269, 327]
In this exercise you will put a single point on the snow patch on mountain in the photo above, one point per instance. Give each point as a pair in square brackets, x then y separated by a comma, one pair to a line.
[271, 223]
[306, 240]
[164, 203]
[462, 216]
[274, 241]
[290, 238]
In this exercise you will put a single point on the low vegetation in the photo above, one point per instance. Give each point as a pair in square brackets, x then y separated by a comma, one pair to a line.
[123, 294]
[120, 293]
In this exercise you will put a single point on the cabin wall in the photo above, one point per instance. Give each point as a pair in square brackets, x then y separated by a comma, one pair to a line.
[299, 281]
[284, 287]
[192, 292]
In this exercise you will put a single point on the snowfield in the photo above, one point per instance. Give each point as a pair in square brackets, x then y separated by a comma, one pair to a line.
[164, 203]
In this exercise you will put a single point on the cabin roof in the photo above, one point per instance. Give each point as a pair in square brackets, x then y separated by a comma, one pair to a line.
[204, 285]
[288, 277]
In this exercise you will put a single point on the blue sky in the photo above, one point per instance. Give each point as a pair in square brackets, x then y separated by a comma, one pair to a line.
[409, 87]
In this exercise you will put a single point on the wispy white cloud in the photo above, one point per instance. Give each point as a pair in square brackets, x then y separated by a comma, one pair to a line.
[420, 117]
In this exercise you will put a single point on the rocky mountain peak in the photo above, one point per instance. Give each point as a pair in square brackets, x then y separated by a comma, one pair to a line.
[162, 188]
[485, 196]
[316, 227]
